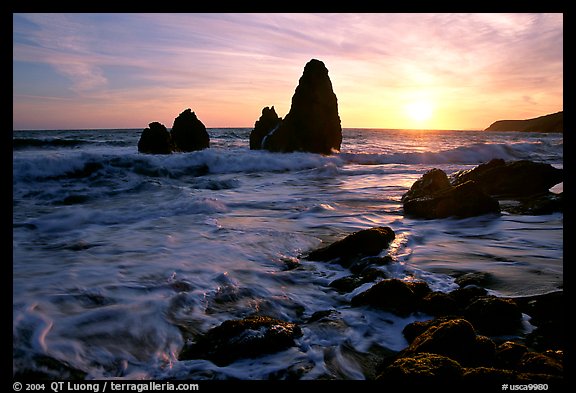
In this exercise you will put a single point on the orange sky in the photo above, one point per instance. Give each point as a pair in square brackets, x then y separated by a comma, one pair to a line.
[424, 71]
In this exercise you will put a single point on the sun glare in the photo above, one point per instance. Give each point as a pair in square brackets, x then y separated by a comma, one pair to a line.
[419, 111]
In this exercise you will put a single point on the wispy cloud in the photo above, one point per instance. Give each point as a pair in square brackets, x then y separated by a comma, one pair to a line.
[237, 63]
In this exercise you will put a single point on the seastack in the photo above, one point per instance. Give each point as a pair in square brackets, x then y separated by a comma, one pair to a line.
[155, 140]
[267, 123]
[312, 124]
[188, 133]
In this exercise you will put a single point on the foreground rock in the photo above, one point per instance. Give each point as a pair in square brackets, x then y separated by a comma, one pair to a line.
[367, 242]
[512, 179]
[155, 140]
[243, 338]
[485, 189]
[451, 350]
[392, 295]
[432, 196]
[312, 124]
[189, 133]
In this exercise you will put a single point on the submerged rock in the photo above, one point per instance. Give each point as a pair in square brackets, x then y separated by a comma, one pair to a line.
[155, 140]
[243, 338]
[189, 133]
[312, 124]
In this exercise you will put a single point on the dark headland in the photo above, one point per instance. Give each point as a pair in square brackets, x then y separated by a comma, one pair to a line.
[548, 123]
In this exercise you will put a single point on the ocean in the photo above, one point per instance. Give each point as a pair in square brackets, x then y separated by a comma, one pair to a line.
[116, 253]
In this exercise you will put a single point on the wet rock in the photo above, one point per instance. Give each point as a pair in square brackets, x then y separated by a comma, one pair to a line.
[242, 338]
[359, 266]
[432, 182]
[481, 279]
[349, 283]
[464, 200]
[439, 304]
[155, 140]
[547, 314]
[538, 363]
[494, 316]
[457, 340]
[422, 368]
[522, 178]
[188, 133]
[465, 296]
[267, 123]
[44, 367]
[509, 353]
[481, 375]
[367, 242]
[419, 287]
[312, 124]
[392, 295]
[414, 329]
[477, 191]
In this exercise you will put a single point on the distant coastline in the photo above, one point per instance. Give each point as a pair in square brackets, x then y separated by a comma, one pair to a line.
[548, 123]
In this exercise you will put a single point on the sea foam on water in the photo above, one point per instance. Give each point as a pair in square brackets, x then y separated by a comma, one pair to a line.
[120, 258]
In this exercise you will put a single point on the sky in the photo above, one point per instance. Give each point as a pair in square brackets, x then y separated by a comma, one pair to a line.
[388, 70]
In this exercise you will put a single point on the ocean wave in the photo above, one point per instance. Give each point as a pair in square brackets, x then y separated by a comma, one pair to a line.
[230, 161]
[24, 143]
[472, 154]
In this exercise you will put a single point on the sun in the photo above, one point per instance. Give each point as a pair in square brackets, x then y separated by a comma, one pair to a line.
[419, 111]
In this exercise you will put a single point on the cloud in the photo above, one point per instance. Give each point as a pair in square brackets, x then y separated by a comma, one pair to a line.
[62, 42]
[218, 60]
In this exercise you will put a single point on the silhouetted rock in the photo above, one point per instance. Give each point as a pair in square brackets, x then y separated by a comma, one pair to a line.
[189, 133]
[267, 123]
[548, 123]
[312, 124]
[432, 196]
[155, 140]
[367, 242]
[243, 338]
[512, 179]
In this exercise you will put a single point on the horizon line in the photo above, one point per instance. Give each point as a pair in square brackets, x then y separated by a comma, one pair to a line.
[251, 127]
